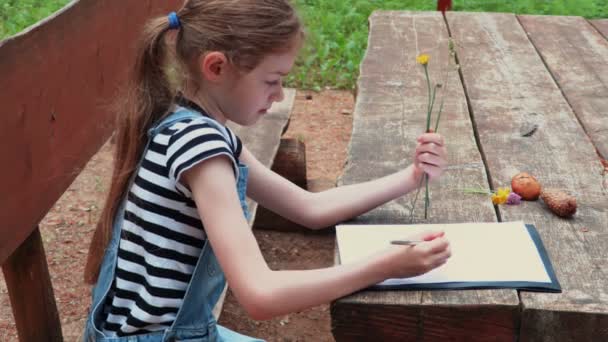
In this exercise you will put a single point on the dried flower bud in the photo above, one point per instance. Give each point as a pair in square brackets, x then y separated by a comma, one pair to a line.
[513, 199]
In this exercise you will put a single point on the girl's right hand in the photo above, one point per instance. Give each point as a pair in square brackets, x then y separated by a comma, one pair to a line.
[409, 261]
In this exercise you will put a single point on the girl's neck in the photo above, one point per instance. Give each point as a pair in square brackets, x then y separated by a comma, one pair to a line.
[212, 108]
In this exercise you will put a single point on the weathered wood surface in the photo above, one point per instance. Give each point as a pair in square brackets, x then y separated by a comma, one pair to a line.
[31, 292]
[57, 82]
[576, 54]
[509, 87]
[601, 25]
[390, 113]
[263, 139]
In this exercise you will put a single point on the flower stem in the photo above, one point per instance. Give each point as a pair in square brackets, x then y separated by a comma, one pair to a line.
[430, 105]
[426, 196]
[415, 200]
[476, 191]
[428, 127]
[445, 89]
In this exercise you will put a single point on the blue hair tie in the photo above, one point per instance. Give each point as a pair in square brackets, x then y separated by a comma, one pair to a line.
[174, 21]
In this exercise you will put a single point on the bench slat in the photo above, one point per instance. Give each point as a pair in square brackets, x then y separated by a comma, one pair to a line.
[509, 87]
[577, 57]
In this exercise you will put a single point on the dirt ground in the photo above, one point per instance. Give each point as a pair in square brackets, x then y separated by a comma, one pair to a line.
[323, 120]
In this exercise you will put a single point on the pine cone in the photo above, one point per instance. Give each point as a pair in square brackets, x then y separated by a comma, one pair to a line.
[559, 202]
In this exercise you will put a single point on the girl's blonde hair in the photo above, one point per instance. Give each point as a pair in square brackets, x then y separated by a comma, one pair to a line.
[244, 30]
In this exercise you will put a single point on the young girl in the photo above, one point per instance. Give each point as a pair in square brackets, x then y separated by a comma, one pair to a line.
[174, 228]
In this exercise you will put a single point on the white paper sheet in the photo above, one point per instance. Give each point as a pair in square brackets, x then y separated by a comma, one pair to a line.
[486, 252]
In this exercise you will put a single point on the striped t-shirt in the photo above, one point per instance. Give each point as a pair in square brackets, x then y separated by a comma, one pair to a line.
[162, 235]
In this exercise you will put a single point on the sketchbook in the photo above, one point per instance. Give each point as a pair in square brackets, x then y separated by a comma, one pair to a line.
[484, 255]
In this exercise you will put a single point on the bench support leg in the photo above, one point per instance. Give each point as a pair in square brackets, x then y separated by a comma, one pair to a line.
[31, 292]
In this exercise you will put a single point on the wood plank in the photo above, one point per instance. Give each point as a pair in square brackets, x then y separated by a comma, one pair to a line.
[31, 292]
[263, 139]
[58, 79]
[290, 161]
[390, 112]
[601, 25]
[509, 88]
[576, 54]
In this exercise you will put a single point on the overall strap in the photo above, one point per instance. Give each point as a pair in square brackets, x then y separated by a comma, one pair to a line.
[181, 113]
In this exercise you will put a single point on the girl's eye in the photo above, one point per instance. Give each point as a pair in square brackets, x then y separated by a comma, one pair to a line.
[272, 83]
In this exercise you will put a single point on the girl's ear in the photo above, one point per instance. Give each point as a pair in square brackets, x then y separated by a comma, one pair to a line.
[213, 66]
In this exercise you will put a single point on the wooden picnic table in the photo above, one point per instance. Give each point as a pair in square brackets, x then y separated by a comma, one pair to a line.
[531, 95]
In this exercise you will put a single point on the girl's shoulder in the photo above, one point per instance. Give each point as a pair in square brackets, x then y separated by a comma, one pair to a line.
[200, 129]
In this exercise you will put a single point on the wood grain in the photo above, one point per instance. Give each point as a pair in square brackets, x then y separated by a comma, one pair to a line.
[58, 81]
[576, 54]
[390, 113]
[31, 292]
[509, 88]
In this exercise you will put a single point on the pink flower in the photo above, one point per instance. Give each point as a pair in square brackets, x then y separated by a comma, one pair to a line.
[513, 199]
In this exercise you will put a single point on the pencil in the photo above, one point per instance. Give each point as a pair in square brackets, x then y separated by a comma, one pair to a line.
[406, 242]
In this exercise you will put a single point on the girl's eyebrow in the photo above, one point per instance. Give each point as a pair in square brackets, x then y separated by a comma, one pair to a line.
[281, 73]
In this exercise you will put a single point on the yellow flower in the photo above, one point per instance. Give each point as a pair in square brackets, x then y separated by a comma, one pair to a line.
[501, 196]
[423, 59]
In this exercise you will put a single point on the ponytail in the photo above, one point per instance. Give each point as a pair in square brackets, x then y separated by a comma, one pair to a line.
[245, 30]
[147, 99]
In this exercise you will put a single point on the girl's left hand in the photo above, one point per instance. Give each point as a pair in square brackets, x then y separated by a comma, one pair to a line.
[430, 156]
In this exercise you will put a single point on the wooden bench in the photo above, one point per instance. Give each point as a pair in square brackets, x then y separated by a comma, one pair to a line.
[516, 71]
[58, 79]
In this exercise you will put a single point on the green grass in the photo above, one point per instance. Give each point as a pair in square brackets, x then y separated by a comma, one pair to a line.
[15, 15]
[337, 29]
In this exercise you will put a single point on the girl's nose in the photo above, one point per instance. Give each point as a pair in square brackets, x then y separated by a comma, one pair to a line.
[279, 95]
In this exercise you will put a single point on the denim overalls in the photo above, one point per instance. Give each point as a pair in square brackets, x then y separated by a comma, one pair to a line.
[194, 321]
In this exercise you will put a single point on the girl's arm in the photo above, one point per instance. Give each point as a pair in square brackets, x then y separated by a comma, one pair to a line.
[318, 210]
[265, 293]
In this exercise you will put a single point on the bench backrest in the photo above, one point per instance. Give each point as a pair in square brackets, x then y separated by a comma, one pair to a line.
[58, 80]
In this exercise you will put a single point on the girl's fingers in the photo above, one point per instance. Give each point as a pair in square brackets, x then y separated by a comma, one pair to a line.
[432, 150]
[430, 159]
[430, 147]
[444, 254]
[431, 170]
[428, 236]
[431, 138]
[434, 246]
